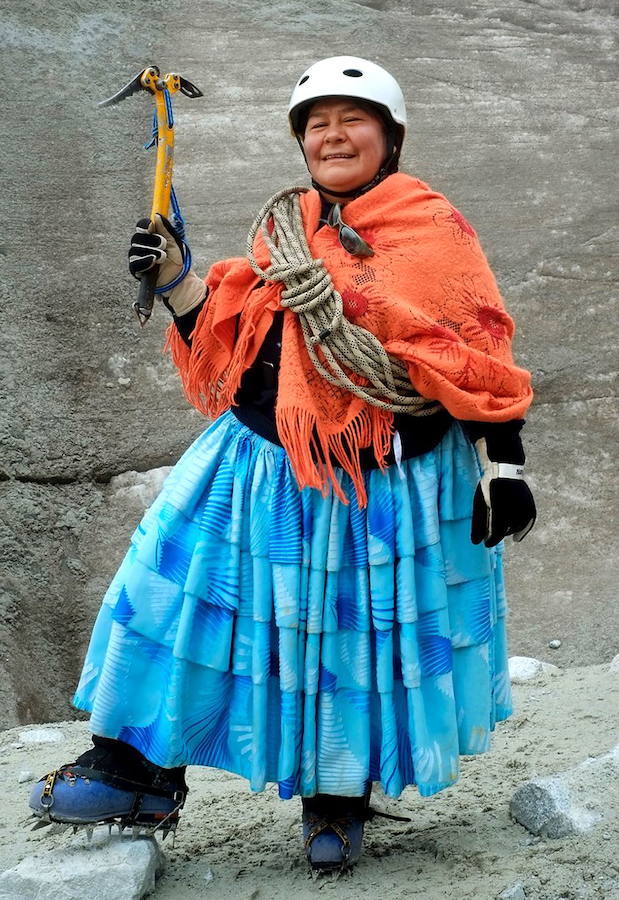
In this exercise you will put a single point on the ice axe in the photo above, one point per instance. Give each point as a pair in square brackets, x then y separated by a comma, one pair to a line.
[161, 87]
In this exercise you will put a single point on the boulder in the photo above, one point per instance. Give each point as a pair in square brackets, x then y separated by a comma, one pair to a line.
[109, 866]
[526, 668]
[569, 802]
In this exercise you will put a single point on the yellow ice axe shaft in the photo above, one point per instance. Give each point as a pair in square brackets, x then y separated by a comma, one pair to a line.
[161, 87]
[165, 139]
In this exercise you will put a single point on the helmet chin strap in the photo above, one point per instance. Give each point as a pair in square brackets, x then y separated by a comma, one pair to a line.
[383, 172]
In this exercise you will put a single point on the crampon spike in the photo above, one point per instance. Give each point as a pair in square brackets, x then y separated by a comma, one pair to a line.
[40, 823]
[169, 829]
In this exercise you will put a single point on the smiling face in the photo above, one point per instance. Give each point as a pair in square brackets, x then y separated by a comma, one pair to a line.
[344, 143]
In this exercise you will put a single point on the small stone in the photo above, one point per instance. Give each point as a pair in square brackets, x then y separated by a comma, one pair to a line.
[523, 668]
[24, 776]
[124, 381]
[41, 736]
[554, 644]
[526, 668]
[614, 665]
[515, 892]
[606, 836]
[75, 565]
[16, 745]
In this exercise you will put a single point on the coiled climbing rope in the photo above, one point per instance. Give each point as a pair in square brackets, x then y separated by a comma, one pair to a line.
[309, 292]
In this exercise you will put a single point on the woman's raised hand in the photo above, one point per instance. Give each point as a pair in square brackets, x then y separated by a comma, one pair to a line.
[159, 244]
[156, 244]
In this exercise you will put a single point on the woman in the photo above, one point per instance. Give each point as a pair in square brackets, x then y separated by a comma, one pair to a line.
[316, 597]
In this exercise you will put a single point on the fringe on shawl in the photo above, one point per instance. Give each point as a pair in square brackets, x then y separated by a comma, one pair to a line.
[210, 381]
[312, 450]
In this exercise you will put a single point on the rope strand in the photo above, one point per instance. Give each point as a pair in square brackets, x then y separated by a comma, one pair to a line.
[309, 292]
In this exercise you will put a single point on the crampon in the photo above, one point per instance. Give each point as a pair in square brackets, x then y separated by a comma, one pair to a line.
[112, 784]
[333, 830]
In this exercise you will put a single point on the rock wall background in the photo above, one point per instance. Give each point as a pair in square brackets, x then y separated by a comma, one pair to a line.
[511, 115]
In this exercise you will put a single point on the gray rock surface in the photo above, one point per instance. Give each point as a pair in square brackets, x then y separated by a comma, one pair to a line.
[512, 115]
[569, 802]
[110, 866]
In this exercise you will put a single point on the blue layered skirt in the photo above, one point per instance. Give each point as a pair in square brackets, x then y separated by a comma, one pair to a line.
[291, 638]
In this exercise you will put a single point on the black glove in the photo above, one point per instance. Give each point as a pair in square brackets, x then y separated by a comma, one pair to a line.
[159, 244]
[503, 502]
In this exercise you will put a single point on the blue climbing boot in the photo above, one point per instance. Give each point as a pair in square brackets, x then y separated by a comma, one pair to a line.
[110, 784]
[333, 830]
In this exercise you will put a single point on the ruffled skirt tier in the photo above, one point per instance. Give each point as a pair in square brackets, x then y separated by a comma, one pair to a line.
[290, 638]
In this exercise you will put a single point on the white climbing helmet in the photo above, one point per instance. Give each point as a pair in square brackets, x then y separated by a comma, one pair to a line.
[348, 76]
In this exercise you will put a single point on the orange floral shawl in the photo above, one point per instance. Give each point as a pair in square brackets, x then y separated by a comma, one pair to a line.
[428, 294]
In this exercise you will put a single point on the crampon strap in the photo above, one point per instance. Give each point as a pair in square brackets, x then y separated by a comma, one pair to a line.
[123, 784]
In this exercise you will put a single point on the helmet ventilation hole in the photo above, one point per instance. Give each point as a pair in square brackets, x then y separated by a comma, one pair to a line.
[304, 79]
[352, 73]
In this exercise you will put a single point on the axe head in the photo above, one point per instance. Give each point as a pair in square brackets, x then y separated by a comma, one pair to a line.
[150, 80]
[146, 80]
